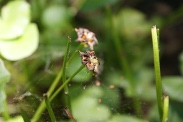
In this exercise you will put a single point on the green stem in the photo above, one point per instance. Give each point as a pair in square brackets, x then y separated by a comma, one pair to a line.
[42, 106]
[165, 108]
[66, 89]
[24, 115]
[50, 110]
[74, 53]
[65, 83]
[157, 69]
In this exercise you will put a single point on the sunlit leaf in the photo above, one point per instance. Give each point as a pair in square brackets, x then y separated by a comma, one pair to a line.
[16, 119]
[21, 47]
[173, 87]
[4, 77]
[15, 16]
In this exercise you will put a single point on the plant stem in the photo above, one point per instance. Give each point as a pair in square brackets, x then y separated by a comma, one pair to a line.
[65, 83]
[24, 115]
[66, 89]
[50, 110]
[42, 106]
[74, 53]
[157, 69]
[165, 108]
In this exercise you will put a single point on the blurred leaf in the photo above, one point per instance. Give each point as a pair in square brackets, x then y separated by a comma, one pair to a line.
[15, 16]
[144, 86]
[153, 115]
[173, 86]
[125, 118]
[4, 78]
[21, 47]
[95, 4]
[132, 24]
[56, 17]
[86, 107]
[175, 112]
[16, 119]
[111, 97]
[181, 63]
[143, 83]
[83, 76]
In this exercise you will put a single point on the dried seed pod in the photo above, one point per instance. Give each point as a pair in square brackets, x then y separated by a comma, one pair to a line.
[87, 37]
[90, 60]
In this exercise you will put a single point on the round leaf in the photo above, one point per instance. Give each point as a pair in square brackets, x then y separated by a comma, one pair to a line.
[59, 17]
[21, 47]
[86, 107]
[15, 16]
[132, 24]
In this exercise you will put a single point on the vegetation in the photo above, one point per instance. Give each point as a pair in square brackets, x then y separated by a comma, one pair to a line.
[90, 61]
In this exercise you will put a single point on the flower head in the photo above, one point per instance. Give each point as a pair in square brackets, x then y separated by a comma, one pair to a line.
[87, 37]
[90, 60]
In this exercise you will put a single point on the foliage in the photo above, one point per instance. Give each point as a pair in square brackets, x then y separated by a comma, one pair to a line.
[123, 90]
[16, 31]
[4, 78]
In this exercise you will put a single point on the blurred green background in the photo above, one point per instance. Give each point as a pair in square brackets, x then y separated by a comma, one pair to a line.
[127, 89]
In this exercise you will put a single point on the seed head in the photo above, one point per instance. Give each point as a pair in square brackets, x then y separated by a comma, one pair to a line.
[90, 60]
[87, 37]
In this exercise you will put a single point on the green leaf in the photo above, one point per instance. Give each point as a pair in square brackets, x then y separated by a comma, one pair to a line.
[125, 118]
[95, 4]
[15, 16]
[21, 47]
[86, 107]
[83, 76]
[4, 78]
[143, 83]
[132, 24]
[173, 87]
[16, 119]
[59, 15]
[181, 62]
[175, 112]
